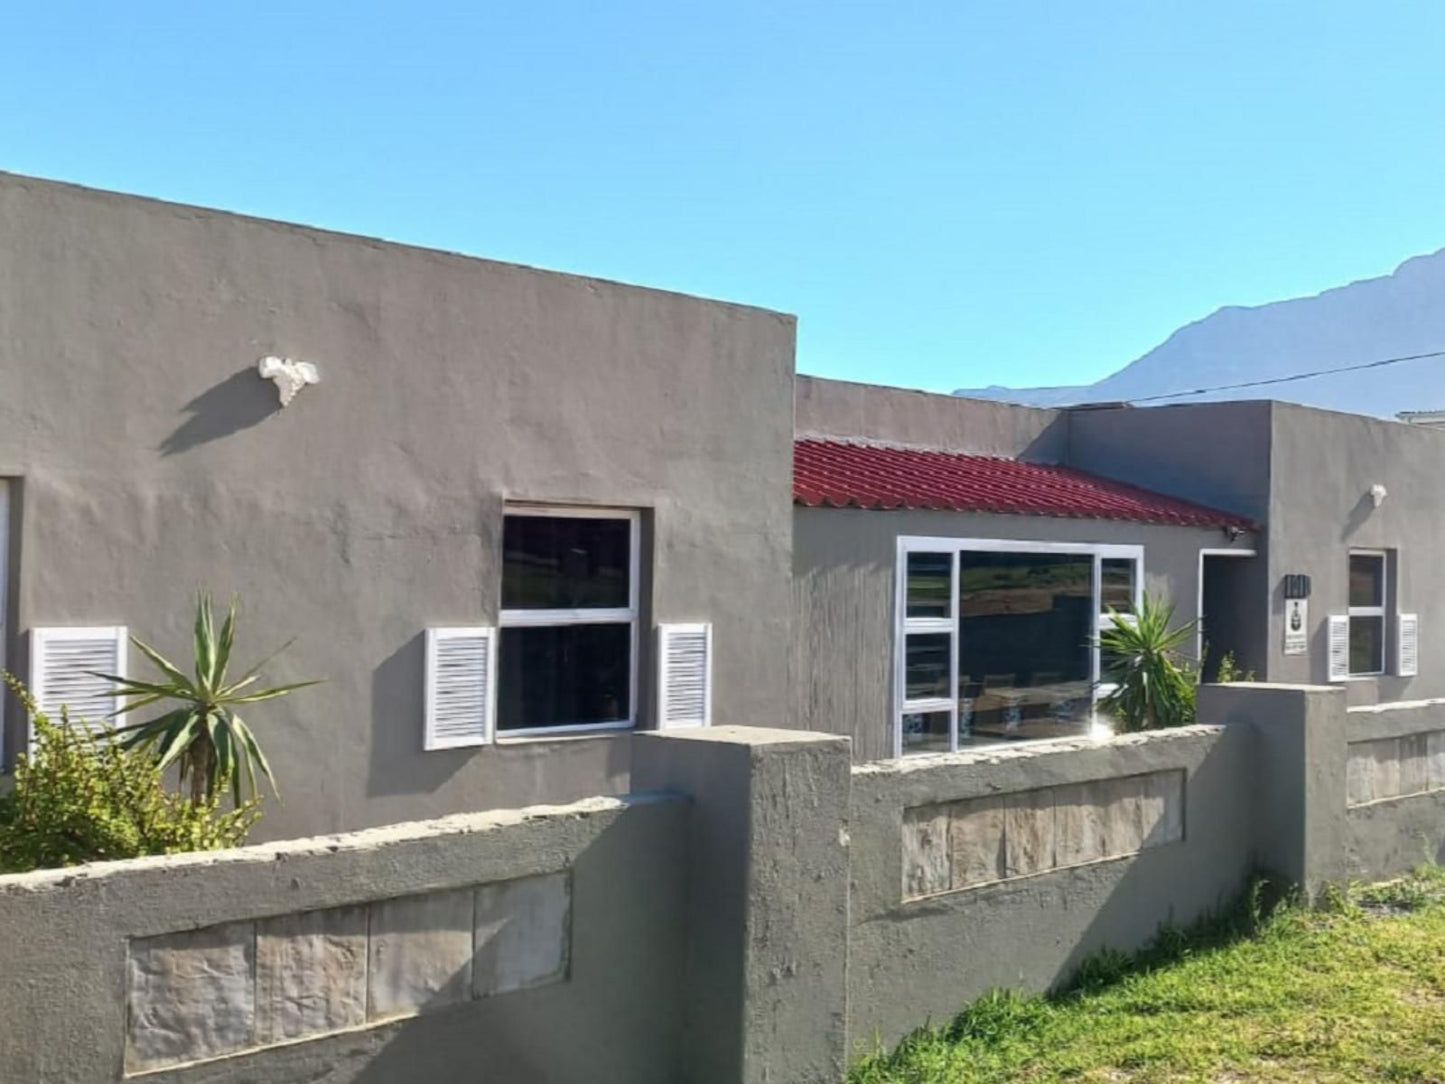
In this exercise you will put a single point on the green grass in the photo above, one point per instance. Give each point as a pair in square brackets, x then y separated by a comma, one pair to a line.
[1350, 992]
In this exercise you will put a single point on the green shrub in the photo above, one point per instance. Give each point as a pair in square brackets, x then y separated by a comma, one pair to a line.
[79, 797]
[1153, 684]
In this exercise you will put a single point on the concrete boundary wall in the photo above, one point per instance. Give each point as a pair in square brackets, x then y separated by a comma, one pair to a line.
[1395, 787]
[912, 960]
[70, 937]
[763, 912]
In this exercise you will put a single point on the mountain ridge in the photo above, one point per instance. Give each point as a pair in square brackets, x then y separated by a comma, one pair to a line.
[1369, 319]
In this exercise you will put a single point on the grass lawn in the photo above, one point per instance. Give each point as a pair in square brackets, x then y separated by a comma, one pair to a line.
[1352, 992]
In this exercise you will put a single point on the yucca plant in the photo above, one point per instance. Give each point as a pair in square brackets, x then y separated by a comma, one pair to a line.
[1153, 684]
[203, 733]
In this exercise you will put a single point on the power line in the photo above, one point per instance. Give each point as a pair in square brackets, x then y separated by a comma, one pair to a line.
[1296, 376]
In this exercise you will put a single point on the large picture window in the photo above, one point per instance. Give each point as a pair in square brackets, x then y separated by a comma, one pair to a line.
[996, 638]
[568, 653]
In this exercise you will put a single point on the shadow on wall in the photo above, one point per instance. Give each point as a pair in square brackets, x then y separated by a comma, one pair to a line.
[399, 764]
[1051, 445]
[1362, 511]
[1181, 883]
[240, 401]
[502, 775]
[1033, 933]
[618, 903]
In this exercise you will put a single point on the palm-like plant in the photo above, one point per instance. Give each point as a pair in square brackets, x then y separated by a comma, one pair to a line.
[203, 733]
[1153, 685]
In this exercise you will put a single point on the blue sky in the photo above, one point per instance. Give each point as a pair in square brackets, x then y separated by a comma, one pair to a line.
[947, 194]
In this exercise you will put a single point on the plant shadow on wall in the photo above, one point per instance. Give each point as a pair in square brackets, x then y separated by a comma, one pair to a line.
[240, 401]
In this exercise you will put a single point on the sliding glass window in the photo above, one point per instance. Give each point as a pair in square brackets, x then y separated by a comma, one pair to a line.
[997, 638]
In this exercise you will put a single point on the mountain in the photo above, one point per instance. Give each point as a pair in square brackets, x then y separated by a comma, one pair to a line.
[1394, 315]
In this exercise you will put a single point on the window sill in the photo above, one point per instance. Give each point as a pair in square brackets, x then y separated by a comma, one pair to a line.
[591, 733]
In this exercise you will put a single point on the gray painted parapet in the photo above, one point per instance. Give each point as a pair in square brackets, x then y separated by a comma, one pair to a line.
[767, 914]
[1299, 774]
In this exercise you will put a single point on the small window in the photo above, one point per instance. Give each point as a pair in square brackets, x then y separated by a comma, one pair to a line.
[930, 584]
[568, 652]
[1116, 583]
[1367, 613]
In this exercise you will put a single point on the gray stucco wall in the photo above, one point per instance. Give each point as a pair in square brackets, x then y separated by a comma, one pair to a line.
[1324, 464]
[844, 562]
[839, 408]
[152, 461]
[614, 1018]
[1215, 453]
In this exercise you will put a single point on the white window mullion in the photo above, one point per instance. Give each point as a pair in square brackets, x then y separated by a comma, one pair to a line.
[953, 650]
[537, 618]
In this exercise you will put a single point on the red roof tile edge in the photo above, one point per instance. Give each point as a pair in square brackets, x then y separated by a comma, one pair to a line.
[848, 474]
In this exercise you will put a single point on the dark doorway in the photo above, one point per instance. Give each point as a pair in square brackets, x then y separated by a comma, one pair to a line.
[1226, 581]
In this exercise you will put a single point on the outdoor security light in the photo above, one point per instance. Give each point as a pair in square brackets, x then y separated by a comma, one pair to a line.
[1378, 493]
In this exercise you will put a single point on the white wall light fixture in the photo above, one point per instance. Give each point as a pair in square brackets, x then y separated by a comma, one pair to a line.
[290, 376]
[1378, 493]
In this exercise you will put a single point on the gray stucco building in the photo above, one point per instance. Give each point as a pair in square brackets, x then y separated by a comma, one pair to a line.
[524, 515]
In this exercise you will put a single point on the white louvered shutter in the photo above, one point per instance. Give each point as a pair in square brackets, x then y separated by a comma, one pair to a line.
[63, 664]
[461, 670]
[685, 678]
[1339, 643]
[1408, 651]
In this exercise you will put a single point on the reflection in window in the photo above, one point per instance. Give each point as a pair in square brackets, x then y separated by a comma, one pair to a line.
[998, 644]
[1025, 664]
[930, 577]
[925, 732]
[1116, 584]
[926, 666]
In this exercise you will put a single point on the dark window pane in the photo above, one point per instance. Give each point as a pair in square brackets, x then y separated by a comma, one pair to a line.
[1367, 645]
[926, 668]
[565, 563]
[1367, 579]
[930, 577]
[563, 676]
[925, 732]
[1025, 664]
[1116, 588]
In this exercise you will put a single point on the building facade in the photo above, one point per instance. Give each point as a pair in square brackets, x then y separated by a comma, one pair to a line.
[569, 462]
[525, 515]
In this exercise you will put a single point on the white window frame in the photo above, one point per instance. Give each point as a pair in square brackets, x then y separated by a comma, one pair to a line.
[1381, 611]
[515, 619]
[903, 625]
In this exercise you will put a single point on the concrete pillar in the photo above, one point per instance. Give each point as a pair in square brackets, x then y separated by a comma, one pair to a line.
[767, 899]
[1299, 779]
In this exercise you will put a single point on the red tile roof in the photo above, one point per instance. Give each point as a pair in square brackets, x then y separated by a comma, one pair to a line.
[840, 474]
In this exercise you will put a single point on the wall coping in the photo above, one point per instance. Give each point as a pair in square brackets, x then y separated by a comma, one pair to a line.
[364, 839]
[929, 761]
[1396, 705]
